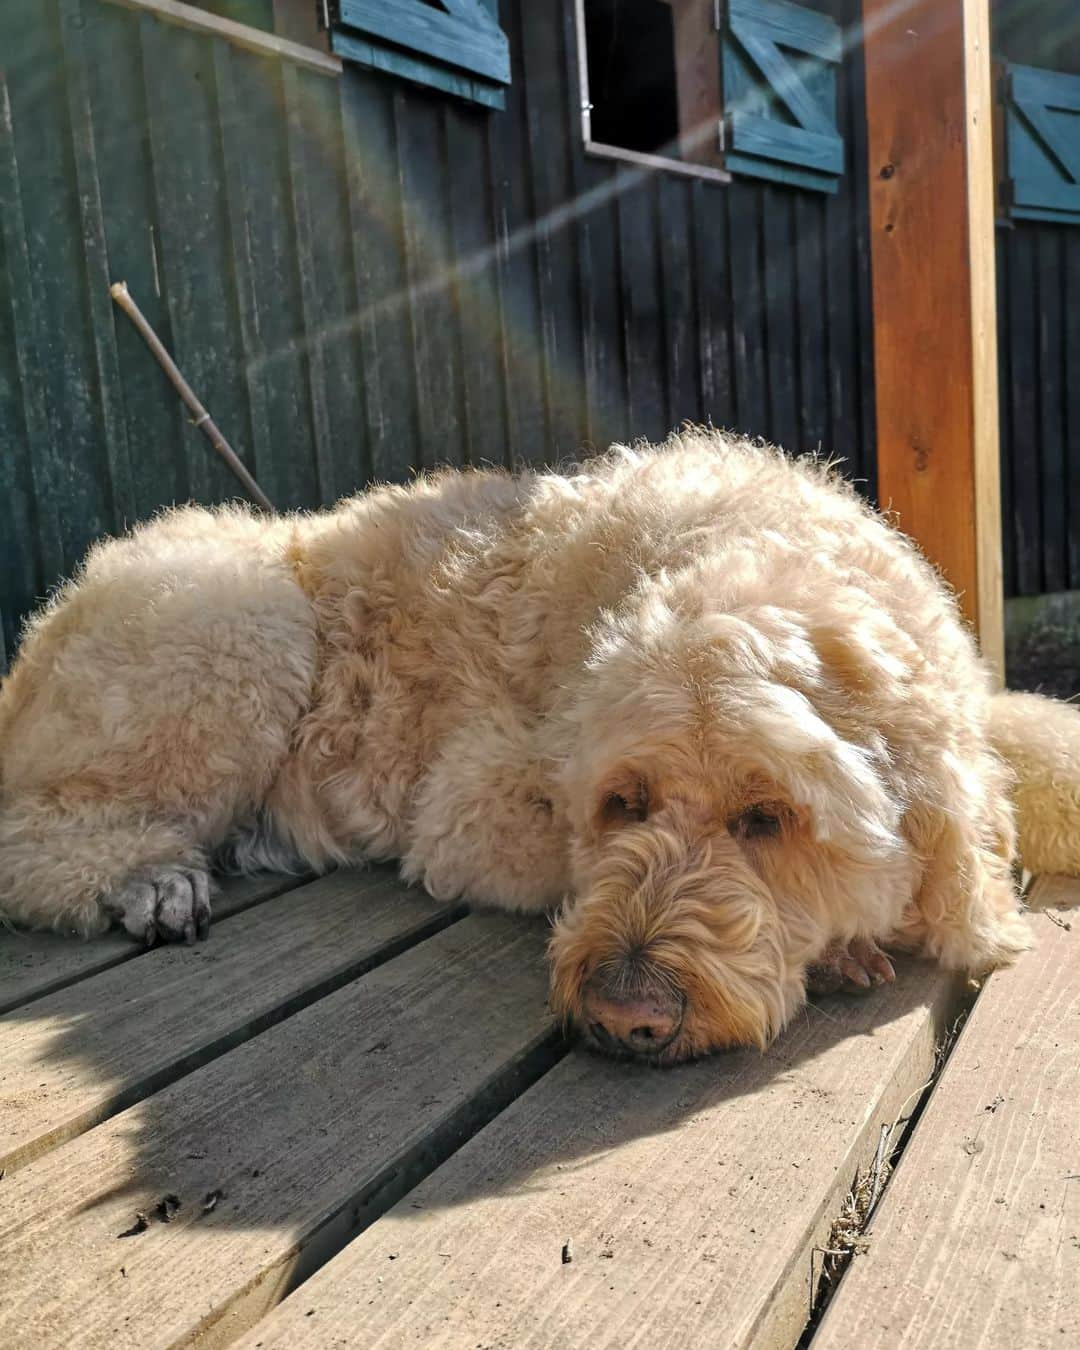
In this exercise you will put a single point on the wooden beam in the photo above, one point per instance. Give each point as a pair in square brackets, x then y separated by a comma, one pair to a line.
[929, 114]
[252, 39]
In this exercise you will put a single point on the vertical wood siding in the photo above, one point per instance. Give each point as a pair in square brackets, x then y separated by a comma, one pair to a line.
[362, 278]
[1039, 321]
[1039, 344]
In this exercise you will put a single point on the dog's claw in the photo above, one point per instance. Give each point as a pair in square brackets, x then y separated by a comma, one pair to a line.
[850, 968]
[168, 904]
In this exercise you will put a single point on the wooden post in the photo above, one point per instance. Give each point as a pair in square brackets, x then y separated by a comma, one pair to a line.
[929, 114]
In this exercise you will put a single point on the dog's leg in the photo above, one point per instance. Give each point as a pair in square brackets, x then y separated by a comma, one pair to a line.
[850, 968]
[148, 712]
[76, 869]
[966, 913]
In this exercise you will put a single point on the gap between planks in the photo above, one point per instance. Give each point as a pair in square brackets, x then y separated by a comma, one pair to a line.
[300, 1136]
[69, 1061]
[692, 1200]
[977, 1240]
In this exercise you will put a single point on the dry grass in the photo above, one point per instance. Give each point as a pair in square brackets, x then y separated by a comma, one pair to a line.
[849, 1234]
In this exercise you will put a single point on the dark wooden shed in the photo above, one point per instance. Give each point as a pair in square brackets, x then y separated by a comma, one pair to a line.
[372, 253]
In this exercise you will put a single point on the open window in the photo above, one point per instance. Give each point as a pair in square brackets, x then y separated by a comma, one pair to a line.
[650, 83]
[713, 87]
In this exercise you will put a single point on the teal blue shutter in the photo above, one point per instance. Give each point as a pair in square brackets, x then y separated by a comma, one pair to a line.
[456, 46]
[1042, 144]
[779, 77]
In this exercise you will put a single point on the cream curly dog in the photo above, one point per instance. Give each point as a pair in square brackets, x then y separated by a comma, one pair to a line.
[699, 695]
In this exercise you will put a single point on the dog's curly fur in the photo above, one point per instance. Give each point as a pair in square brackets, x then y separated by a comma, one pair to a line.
[699, 694]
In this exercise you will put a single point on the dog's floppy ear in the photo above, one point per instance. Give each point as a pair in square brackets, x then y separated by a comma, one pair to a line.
[623, 799]
[864, 652]
[836, 781]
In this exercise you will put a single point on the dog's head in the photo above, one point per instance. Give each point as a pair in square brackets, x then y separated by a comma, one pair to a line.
[726, 824]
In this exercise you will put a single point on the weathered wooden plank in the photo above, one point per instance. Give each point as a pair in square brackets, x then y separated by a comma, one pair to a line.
[840, 333]
[195, 257]
[378, 255]
[593, 185]
[680, 291]
[399, 64]
[743, 202]
[318, 162]
[263, 253]
[855, 241]
[477, 291]
[1053, 376]
[1071, 287]
[547, 136]
[529, 420]
[930, 114]
[230, 115]
[69, 1061]
[278, 1152]
[1023, 411]
[302, 153]
[690, 1199]
[24, 540]
[714, 304]
[642, 160]
[125, 181]
[642, 308]
[240, 34]
[35, 964]
[977, 1241]
[95, 270]
[478, 46]
[779, 251]
[422, 181]
[812, 353]
[53, 333]
[1008, 540]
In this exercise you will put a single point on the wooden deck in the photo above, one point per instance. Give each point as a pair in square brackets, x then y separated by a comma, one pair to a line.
[347, 1120]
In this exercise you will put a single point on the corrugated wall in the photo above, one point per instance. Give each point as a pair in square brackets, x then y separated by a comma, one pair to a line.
[361, 279]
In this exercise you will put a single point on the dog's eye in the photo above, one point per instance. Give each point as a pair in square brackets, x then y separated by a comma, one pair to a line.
[622, 808]
[759, 822]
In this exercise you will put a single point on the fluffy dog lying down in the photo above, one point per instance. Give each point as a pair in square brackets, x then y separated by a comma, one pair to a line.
[700, 695]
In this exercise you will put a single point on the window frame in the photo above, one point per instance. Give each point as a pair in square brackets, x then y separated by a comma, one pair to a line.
[639, 158]
[256, 40]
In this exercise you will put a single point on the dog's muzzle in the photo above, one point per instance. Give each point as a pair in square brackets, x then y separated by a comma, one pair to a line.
[642, 1023]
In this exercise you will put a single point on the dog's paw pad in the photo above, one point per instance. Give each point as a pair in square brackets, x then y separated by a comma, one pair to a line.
[850, 968]
[167, 903]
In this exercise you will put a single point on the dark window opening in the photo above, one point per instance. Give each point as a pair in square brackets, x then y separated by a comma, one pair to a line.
[653, 70]
[630, 46]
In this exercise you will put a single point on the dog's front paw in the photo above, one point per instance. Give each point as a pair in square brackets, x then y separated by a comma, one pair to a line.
[850, 968]
[170, 903]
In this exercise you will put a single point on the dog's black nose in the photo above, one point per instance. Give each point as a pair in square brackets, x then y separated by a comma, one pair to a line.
[642, 1025]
